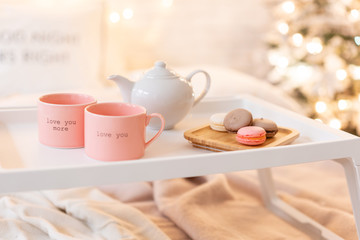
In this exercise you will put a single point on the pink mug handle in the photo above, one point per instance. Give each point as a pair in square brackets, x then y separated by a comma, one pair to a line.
[148, 117]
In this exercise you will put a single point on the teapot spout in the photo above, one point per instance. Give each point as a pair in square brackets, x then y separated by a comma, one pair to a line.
[125, 86]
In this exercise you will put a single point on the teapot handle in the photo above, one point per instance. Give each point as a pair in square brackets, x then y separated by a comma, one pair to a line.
[207, 85]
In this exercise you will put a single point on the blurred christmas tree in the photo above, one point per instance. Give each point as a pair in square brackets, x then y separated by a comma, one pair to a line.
[315, 54]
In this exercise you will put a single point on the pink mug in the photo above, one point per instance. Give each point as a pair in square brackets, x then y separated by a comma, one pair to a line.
[116, 131]
[61, 119]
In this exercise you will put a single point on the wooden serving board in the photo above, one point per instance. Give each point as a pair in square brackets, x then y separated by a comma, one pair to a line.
[207, 138]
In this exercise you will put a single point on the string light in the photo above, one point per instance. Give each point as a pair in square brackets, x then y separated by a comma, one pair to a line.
[128, 13]
[357, 40]
[114, 17]
[297, 39]
[341, 74]
[282, 62]
[276, 59]
[355, 72]
[315, 46]
[320, 107]
[354, 14]
[288, 7]
[301, 73]
[343, 104]
[283, 27]
[335, 123]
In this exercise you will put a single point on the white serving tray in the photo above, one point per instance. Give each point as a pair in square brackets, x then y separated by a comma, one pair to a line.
[25, 164]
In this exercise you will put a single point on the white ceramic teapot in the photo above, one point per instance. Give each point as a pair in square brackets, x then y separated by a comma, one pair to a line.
[162, 91]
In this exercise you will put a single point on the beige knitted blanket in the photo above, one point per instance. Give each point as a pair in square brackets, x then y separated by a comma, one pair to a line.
[222, 206]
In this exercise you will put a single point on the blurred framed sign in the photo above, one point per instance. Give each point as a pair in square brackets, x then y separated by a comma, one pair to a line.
[50, 45]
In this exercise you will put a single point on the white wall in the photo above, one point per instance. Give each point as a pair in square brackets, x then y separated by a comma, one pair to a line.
[191, 32]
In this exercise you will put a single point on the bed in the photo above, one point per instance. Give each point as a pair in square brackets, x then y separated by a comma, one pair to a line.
[213, 206]
[199, 206]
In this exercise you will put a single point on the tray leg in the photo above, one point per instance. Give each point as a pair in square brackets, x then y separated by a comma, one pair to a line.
[288, 213]
[352, 172]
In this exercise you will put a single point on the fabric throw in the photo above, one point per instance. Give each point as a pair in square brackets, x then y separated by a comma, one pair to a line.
[221, 206]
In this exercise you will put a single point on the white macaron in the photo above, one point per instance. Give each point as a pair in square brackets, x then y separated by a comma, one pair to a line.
[217, 122]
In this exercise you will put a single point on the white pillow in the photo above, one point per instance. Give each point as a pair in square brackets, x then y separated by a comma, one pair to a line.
[49, 45]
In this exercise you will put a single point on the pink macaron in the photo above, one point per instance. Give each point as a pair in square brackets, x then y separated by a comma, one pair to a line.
[251, 135]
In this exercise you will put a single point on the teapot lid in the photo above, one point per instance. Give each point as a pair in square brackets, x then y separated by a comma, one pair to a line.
[160, 71]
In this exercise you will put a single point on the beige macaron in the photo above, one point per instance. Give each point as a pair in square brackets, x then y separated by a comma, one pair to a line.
[270, 126]
[236, 119]
[217, 122]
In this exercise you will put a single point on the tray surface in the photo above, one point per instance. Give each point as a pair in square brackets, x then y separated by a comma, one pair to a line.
[25, 163]
[205, 137]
